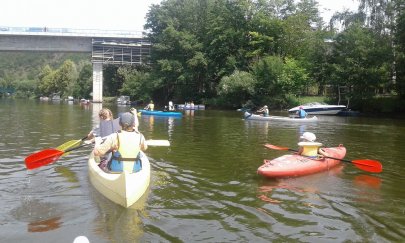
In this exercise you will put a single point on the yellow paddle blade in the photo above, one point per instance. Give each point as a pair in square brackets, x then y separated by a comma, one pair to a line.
[68, 145]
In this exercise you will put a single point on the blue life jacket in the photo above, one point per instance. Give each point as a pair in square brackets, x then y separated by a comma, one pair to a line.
[128, 152]
[302, 113]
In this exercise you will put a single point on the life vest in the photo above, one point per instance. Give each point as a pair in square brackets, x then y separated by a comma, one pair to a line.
[310, 148]
[151, 107]
[109, 127]
[126, 157]
[302, 113]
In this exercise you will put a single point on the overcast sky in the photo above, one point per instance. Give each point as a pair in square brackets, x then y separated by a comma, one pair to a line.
[100, 14]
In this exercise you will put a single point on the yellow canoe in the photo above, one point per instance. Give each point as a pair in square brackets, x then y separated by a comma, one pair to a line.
[122, 188]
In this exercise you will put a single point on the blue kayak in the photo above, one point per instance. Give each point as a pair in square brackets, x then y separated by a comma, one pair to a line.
[161, 113]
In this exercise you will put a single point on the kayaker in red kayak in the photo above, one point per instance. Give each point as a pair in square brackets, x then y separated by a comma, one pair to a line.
[308, 146]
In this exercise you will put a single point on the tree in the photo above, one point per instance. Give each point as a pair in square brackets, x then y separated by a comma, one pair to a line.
[237, 88]
[46, 85]
[360, 61]
[84, 83]
[64, 78]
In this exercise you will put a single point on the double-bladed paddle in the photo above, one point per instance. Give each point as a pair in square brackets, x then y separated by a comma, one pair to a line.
[49, 156]
[70, 144]
[363, 164]
[46, 156]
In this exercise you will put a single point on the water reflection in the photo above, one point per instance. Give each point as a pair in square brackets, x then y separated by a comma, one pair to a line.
[170, 127]
[40, 216]
[189, 112]
[67, 173]
[117, 223]
[44, 225]
[315, 183]
[368, 181]
[96, 107]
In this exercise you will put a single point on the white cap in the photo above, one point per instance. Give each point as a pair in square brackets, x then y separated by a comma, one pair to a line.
[309, 136]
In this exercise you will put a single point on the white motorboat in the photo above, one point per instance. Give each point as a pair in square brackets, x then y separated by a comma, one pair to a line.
[317, 108]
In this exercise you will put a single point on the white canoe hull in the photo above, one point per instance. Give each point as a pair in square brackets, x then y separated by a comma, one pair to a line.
[249, 116]
[122, 188]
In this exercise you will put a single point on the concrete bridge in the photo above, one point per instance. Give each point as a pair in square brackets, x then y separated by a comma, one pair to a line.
[106, 47]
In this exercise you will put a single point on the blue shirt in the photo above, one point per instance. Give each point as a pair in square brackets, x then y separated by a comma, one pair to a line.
[302, 113]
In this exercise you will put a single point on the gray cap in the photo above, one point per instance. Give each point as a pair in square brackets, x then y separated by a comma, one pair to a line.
[127, 119]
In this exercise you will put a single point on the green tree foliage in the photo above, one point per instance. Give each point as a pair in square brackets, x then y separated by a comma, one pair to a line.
[400, 57]
[135, 83]
[276, 79]
[83, 86]
[46, 84]
[237, 88]
[60, 81]
[65, 77]
[361, 61]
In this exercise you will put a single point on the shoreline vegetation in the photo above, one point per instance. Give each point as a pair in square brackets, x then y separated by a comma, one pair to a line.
[234, 54]
[386, 106]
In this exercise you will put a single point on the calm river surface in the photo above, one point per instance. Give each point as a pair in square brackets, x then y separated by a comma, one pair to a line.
[204, 187]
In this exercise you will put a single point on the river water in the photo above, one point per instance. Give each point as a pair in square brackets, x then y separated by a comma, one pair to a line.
[204, 187]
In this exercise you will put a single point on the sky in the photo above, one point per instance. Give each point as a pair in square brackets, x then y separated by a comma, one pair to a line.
[101, 14]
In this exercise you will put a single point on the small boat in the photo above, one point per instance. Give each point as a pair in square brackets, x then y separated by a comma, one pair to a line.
[293, 165]
[124, 100]
[250, 116]
[122, 188]
[160, 113]
[317, 108]
[84, 101]
[190, 107]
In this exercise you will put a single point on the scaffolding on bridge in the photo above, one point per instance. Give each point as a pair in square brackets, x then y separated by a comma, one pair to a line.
[121, 51]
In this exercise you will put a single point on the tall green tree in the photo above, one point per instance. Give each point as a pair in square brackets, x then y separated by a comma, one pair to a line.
[360, 61]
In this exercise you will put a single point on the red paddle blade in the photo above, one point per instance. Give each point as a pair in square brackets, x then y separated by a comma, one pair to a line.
[42, 158]
[368, 165]
[271, 146]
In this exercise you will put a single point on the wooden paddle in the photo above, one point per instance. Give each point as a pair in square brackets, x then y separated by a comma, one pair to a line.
[49, 156]
[373, 166]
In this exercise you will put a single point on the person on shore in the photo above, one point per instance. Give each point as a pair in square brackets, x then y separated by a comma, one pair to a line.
[302, 113]
[125, 146]
[150, 106]
[308, 147]
[264, 110]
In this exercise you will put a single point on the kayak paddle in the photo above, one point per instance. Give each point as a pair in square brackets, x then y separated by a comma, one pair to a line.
[49, 156]
[46, 156]
[363, 164]
[158, 142]
[70, 144]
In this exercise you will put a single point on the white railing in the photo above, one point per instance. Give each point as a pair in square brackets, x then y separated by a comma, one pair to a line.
[70, 32]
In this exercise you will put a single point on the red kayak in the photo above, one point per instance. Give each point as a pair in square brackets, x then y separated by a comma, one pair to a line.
[296, 165]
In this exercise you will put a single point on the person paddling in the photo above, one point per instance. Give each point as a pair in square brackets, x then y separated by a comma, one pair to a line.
[302, 113]
[308, 146]
[106, 126]
[150, 106]
[125, 146]
[264, 110]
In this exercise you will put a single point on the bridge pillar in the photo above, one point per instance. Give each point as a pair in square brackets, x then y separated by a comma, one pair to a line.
[97, 82]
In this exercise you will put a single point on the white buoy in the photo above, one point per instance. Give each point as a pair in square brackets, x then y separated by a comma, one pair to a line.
[81, 239]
